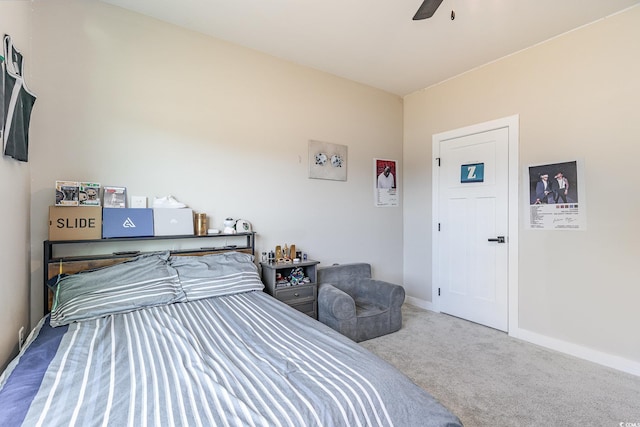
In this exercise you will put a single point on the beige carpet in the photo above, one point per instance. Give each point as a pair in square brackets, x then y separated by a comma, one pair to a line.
[489, 379]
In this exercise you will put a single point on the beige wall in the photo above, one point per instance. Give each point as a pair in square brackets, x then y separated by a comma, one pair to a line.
[128, 100]
[578, 97]
[15, 185]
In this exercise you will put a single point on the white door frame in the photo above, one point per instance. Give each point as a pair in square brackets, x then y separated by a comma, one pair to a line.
[512, 123]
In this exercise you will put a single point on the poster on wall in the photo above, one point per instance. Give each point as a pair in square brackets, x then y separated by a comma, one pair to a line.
[385, 184]
[556, 196]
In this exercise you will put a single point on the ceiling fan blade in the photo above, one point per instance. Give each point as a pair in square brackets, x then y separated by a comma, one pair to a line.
[427, 9]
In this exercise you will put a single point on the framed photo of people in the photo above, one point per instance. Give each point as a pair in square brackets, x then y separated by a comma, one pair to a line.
[556, 196]
[385, 185]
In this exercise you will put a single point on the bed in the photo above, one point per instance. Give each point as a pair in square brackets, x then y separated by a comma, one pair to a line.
[194, 341]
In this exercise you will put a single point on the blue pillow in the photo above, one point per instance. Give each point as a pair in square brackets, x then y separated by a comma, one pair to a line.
[216, 274]
[147, 280]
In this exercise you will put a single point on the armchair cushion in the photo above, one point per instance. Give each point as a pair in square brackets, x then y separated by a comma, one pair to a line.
[357, 306]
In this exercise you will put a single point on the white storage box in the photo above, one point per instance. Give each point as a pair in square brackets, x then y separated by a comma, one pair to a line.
[173, 222]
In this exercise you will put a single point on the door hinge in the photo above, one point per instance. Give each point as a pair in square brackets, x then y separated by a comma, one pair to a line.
[438, 226]
[438, 159]
[438, 291]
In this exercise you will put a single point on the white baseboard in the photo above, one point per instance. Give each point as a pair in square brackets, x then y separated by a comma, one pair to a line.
[595, 356]
[427, 305]
[601, 358]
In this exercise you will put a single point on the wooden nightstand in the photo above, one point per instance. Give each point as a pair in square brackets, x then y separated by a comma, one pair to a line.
[303, 297]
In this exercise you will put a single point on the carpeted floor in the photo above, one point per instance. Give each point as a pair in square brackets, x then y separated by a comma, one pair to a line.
[488, 379]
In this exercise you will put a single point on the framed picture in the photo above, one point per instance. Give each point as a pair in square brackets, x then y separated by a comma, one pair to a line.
[385, 185]
[327, 161]
[114, 197]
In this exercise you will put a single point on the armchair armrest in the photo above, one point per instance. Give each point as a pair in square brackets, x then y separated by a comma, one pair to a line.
[337, 310]
[334, 303]
[379, 292]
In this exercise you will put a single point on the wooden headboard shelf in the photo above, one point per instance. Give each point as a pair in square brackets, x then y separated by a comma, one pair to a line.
[77, 263]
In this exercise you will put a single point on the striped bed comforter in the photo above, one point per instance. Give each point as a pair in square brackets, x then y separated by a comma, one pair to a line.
[237, 360]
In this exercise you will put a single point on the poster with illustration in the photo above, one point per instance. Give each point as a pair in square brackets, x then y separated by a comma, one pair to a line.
[385, 184]
[556, 196]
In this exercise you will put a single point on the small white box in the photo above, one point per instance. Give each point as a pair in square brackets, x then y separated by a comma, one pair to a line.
[138, 202]
[173, 222]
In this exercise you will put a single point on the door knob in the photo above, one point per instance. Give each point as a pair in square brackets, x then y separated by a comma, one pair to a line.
[499, 239]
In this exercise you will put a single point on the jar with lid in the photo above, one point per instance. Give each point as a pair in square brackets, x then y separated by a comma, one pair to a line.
[200, 224]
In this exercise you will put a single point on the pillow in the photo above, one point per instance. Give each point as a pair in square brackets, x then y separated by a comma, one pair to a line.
[216, 275]
[145, 281]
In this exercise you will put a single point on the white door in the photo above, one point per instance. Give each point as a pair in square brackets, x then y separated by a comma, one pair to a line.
[473, 215]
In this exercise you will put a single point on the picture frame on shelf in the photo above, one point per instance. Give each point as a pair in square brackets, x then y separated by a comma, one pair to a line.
[114, 197]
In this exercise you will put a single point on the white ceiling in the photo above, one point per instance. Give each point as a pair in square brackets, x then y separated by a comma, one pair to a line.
[375, 42]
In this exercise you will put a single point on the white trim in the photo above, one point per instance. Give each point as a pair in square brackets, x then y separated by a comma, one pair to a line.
[420, 303]
[513, 124]
[609, 360]
[584, 353]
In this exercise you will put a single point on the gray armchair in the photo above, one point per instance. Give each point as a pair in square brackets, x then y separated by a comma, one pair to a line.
[357, 306]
